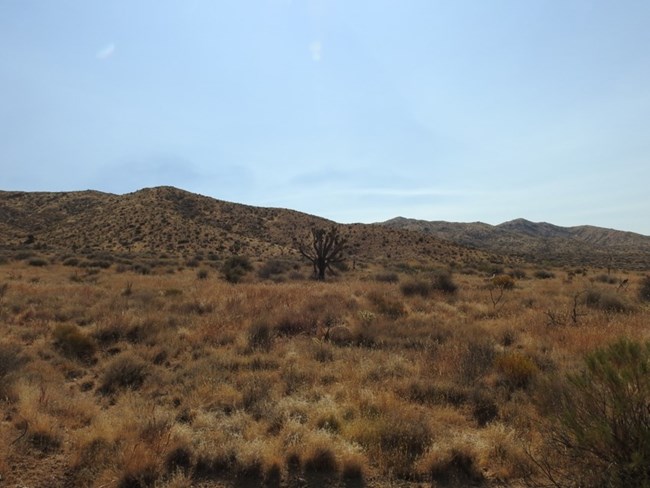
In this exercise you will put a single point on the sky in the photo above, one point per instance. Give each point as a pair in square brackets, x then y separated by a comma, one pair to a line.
[357, 111]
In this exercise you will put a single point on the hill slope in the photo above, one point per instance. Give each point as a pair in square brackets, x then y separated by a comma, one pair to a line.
[166, 220]
[541, 242]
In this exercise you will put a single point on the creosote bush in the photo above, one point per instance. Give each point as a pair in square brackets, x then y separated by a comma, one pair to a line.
[603, 424]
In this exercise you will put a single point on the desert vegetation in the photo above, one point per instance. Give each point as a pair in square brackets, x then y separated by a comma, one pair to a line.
[128, 371]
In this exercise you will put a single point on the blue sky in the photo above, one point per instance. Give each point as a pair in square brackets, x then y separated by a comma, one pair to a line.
[358, 111]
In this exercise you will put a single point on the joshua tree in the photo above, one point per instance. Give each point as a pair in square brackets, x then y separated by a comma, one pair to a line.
[326, 247]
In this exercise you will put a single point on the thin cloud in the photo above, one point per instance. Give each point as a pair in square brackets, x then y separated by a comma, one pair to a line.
[106, 52]
[316, 50]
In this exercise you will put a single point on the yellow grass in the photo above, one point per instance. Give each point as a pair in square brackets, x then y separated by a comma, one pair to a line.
[354, 379]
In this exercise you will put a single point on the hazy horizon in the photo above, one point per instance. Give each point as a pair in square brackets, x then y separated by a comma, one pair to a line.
[457, 111]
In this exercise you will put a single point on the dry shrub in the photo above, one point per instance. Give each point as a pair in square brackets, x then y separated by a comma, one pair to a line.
[414, 287]
[90, 459]
[456, 468]
[608, 301]
[543, 274]
[273, 268]
[320, 460]
[644, 289]
[443, 281]
[45, 439]
[73, 343]
[605, 278]
[193, 307]
[484, 407]
[431, 393]
[517, 370]
[395, 440]
[126, 371]
[387, 305]
[504, 282]
[260, 336]
[387, 277]
[11, 360]
[214, 466]
[352, 473]
[477, 359]
[293, 324]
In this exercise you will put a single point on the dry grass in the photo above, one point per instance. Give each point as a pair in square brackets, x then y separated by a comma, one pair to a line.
[182, 381]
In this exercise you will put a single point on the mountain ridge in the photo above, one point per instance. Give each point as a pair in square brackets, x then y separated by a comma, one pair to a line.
[541, 242]
[168, 220]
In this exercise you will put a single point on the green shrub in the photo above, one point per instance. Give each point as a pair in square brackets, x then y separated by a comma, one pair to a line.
[603, 424]
[40, 262]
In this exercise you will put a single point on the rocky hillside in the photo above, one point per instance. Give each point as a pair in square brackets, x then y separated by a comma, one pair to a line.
[166, 220]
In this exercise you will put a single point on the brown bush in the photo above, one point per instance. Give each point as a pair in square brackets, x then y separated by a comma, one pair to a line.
[459, 469]
[126, 371]
[73, 343]
[516, 369]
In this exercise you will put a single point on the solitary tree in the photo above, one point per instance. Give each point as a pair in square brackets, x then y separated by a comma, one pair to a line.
[325, 248]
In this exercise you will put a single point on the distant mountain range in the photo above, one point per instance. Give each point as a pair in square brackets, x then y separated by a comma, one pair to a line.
[541, 242]
[166, 220]
[169, 221]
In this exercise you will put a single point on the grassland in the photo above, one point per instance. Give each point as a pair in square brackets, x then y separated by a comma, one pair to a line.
[119, 374]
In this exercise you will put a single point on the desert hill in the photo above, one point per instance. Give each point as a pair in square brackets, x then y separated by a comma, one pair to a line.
[170, 221]
[541, 242]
